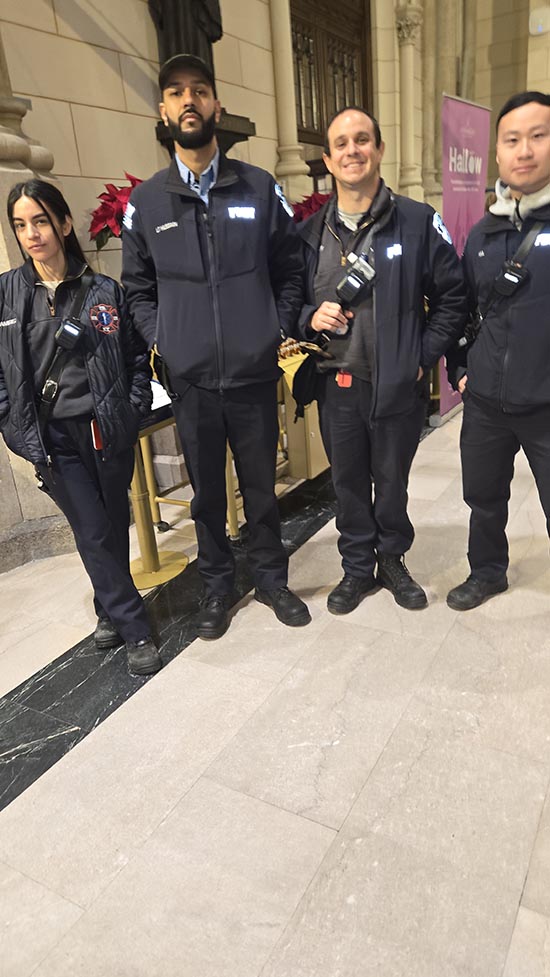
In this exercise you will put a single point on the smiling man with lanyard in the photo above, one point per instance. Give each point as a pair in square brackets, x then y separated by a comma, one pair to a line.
[374, 261]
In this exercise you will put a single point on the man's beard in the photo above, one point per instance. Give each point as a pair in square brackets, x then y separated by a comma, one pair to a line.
[193, 138]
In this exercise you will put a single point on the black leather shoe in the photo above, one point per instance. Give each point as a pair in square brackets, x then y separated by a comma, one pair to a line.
[474, 592]
[349, 593]
[393, 574]
[143, 657]
[213, 619]
[106, 635]
[289, 609]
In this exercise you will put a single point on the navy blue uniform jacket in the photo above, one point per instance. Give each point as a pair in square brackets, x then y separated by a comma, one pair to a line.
[116, 362]
[419, 298]
[213, 285]
[509, 363]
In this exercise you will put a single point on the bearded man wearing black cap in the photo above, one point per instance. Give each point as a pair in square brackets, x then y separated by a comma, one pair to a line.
[213, 271]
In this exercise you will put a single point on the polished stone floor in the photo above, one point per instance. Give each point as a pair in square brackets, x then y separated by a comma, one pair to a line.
[363, 797]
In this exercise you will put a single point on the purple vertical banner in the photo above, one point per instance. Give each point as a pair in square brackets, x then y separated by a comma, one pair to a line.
[464, 156]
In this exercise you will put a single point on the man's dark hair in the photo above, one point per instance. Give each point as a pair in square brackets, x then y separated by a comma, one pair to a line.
[355, 108]
[522, 98]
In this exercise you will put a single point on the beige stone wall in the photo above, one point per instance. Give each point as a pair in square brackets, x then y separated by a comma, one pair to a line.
[385, 73]
[89, 68]
[538, 57]
[244, 71]
[502, 46]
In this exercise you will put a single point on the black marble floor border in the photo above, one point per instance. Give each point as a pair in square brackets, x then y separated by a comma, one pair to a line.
[53, 710]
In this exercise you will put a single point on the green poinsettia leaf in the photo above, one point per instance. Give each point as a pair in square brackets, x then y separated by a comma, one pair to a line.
[104, 235]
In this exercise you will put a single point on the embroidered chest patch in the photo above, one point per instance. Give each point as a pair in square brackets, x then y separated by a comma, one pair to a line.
[105, 318]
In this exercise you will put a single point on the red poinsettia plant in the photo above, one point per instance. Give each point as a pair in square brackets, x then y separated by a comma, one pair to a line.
[107, 218]
[309, 205]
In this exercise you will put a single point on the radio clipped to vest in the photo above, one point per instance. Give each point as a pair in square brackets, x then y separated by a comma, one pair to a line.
[510, 277]
[68, 335]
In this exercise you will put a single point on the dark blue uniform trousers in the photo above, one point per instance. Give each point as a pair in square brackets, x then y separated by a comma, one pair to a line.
[370, 464]
[247, 418]
[93, 496]
[489, 442]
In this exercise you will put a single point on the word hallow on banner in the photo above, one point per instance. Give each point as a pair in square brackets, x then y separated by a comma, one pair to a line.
[465, 149]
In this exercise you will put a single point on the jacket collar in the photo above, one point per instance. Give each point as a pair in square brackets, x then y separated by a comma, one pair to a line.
[508, 209]
[311, 229]
[175, 184]
[498, 223]
[518, 209]
[75, 269]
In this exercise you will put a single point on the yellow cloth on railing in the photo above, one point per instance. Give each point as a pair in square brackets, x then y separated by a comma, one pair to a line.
[289, 365]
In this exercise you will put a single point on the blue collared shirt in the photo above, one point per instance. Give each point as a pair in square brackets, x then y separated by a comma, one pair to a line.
[206, 180]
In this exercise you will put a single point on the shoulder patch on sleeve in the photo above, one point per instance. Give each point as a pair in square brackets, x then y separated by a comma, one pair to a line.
[128, 215]
[441, 229]
[284, 201]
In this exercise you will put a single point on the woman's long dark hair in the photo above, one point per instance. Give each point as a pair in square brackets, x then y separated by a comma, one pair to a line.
[54, 203]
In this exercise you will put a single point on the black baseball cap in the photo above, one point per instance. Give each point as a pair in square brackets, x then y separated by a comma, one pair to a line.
[186, 61]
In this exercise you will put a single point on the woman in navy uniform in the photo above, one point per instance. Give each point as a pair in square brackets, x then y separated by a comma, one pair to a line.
[74, 383]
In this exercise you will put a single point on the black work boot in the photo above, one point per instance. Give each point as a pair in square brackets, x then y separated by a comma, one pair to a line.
[213, 618]
[143, 657]
[474, 592]
[349, 593]
[288, 607]
[393, 574]
[106, 635]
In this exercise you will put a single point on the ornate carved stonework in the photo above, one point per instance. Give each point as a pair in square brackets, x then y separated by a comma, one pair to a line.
[408, 20]
[15, 147]
[345, 18]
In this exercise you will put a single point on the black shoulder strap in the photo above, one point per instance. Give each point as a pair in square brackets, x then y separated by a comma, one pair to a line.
[518, 259]
[61, 356]
[77, 304]
[527, 243]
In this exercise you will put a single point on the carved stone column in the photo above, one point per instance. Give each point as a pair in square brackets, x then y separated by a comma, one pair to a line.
[291, 170]
[30, 525]
[446, 70]
[15, 147]
[408, 24]
[467, 75]
[430, 100]
[19, 157]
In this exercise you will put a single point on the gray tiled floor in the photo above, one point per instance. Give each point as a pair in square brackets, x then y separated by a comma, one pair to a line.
[365, 796]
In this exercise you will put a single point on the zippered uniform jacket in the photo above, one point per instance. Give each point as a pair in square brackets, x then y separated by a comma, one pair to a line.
[508, 365]
[214, 286]
[419, 297]
[114, 357]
